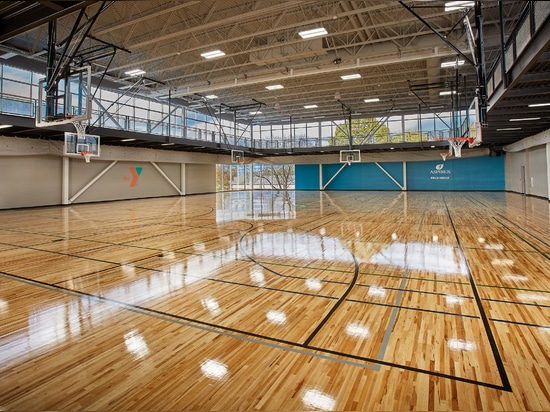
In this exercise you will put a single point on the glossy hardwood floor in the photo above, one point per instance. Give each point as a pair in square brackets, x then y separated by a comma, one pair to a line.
[278, 301]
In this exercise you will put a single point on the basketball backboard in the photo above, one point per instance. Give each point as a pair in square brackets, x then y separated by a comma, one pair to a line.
[350, 156]
[474, 123]
[75, 145]
[237, 156]
[69, 103]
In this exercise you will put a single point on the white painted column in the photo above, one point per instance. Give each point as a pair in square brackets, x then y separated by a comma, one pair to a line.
[182, 171]
[65, 180]
[404, 176]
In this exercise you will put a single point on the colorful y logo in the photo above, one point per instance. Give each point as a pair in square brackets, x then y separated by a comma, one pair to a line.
[136, 171]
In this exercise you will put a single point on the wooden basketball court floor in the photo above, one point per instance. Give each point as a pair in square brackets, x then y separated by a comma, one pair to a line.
[278, 301]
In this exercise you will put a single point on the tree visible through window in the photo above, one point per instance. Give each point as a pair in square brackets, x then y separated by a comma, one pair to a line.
[364, 131]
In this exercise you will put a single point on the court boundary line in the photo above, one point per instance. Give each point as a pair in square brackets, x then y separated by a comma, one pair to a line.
[235, 333]
[492, 341]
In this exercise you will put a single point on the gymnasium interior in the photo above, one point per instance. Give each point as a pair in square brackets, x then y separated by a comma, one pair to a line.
[274, 205]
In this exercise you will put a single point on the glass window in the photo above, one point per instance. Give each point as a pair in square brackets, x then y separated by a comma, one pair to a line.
[19, 75]
[16, 88]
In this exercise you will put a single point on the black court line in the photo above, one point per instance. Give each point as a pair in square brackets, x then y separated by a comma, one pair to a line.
[474, 200]
[117, 265]
[333, 309]
[514, 322]
[338, 303]
[496, 354]
[517, 303]
[423, 215]
[422, 292]
[513, 288]
[389, 305]
[523, 229]
[214, 328]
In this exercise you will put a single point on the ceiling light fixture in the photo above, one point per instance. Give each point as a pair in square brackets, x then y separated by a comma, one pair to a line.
[274, 87]
[8, 55]
[458, 5]
[373, 100]
[538, 104]
[167, 144]
[310, 106]
[453, 63]
[212, 54]
[447, 93]
[308, 34]
[509, 128]
[350, 76]
[211, 96]
[135, 72]
[524, 119]
[5, 126]
[128, 140]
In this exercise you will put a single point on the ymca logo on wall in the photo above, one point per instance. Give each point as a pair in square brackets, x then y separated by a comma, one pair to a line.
[135, 171]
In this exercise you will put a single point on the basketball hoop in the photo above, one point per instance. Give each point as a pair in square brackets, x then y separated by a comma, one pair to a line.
[456, 144]
[87, 156]
[80, 129]
[445, 154]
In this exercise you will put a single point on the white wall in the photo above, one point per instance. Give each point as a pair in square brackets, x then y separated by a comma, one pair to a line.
[533, 155]
[29, 181]
[34, 173]
[200, 178]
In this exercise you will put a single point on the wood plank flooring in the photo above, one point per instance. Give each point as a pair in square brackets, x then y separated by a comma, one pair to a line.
[278, 301]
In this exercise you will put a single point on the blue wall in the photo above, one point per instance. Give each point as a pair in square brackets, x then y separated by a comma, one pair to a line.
[306, 177]
[477, 173]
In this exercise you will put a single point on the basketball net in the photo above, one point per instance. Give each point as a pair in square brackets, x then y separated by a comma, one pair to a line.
[87, 156]
[445, 154]
[80, 129]
[81, 133]
[456, 144]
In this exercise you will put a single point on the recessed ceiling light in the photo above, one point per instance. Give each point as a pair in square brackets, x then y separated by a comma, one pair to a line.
[128, 140]
[538, 104]
[274, 87]
[447, 93]
[307, 34]
[374, 99]
[135, 72]
[509, 128]
[212, 54]
[453, 63]
[8, 55]
[350, 76]
[211, 96]
[167, 144]
[310, 106]
[458, 5]
[5, 126]
[524, 119]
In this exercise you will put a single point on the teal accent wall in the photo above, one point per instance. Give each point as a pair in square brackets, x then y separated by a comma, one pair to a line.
[306, 177]
[477, 173]
[363, 176]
